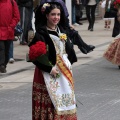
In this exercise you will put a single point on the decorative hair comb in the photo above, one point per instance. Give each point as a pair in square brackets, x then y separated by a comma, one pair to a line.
[45, 5]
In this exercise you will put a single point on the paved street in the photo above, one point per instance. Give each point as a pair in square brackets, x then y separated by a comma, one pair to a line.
[97, 81]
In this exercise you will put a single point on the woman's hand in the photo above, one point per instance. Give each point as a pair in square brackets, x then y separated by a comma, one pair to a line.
[54, 72]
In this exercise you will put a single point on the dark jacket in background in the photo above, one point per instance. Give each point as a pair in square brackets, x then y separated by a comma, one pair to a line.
[26, 13]
[25, 3]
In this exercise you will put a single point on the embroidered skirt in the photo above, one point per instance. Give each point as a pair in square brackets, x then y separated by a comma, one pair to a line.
[42, 106]
[112, 54]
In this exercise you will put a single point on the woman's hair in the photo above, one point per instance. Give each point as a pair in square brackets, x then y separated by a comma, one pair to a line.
[49, 8]
[46, 8]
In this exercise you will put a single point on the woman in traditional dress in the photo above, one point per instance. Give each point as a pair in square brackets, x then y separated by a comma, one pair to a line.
[53, 95]
[112, 53]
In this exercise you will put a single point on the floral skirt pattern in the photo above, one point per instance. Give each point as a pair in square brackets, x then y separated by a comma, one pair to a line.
[42, 107]
[112, 54]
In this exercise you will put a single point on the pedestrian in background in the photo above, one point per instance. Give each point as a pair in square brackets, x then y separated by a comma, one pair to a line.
[74, 3]
[90, 6]
[79, 13]
[112, 53]
[116, 27]
[53, 94]
[11, 49]
[26, 12]
[107, 17]
[11, 53]
[9, 17]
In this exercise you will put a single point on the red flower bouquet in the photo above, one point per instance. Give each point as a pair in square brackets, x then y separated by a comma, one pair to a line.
[38, 52]
[116, 4]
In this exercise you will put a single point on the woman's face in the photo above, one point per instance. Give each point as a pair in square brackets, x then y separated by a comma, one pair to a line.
[53, 17]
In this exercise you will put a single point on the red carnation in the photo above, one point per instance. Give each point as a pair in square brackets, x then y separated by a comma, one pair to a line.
[37, 50]
[117, 4]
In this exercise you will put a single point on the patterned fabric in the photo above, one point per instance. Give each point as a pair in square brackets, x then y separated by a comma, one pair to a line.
[61, 89]
[42, 107]
[65, 70]
[112, 54]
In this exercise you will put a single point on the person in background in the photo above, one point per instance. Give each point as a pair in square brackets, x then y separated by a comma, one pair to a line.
[116, 27]
[11, 49]
[90, 6]
[79, 13]
[107, 17]
[112, 53]
[72, 33]
[74, 3]
[26, 12]
[11, 52]
[53, 87]
[9, 17]
[107, 14]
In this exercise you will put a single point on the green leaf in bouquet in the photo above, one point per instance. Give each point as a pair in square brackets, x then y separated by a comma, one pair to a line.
[43, 59]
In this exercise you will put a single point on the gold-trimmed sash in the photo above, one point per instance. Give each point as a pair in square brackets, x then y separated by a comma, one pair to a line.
[64, 69]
